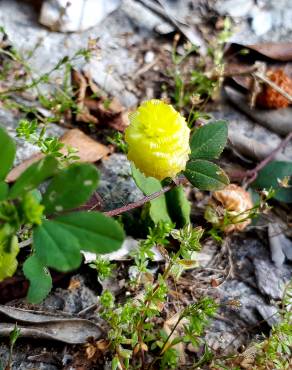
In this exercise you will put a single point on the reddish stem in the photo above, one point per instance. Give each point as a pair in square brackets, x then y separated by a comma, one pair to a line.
[146, 199]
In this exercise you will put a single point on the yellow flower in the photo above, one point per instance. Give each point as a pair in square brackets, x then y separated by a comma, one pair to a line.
[158, 140]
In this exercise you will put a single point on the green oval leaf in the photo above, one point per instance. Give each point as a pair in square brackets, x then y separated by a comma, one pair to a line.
[205, 175]
[7, 154]
[33, 176]
[70, 188]
[56, 247]
[209, 141]
[39, 277]
[94, 231]
[272, 175]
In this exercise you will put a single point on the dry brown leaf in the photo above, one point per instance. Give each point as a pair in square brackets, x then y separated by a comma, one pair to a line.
[89, 151]
[47, 325]
[280, 51]
[94, 107]
[277, 51]
[17, 171]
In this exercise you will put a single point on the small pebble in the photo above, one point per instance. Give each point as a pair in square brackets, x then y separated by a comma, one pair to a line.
[149, 57]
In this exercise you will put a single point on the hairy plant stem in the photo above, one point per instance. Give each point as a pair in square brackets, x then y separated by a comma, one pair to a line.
[147, 198]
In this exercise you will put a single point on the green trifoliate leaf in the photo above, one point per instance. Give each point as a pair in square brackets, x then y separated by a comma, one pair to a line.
[209, 141]
[33, 176]
[58, 242]
[205, 175]
[7, 153]
[56, 247]
[94, 231]
[39, 277]
[71, 188]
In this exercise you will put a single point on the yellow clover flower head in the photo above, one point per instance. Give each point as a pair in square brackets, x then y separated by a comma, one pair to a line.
[158, 140]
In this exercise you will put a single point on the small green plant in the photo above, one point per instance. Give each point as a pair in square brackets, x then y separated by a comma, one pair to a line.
[271, 353]
[133, 332]
[32, 133]
[117, 139]
[14, 335]
[275, 352]
[193, 88]
[103, 267]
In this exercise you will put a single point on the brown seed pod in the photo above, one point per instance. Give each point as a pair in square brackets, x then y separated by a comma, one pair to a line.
[233, 201]
[270, 98]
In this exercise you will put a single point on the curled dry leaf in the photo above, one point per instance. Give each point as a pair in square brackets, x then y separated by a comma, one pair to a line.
[270, 98]
[88, 149]
[43, 325]
[228, 209]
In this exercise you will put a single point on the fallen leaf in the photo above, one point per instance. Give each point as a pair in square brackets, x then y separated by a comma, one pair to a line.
[44, 325]
[277, 51]
[17, 171]
[89, 150]
[74, 284]
[94, 107]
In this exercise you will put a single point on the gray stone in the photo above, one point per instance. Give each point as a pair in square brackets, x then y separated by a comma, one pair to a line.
[24, 150]
[79, 15]
[70, 300]
[244, 133]
[20, 359]
[117, 186]
[271, 280]
[114, 59]
[253, 265]
[234, 8]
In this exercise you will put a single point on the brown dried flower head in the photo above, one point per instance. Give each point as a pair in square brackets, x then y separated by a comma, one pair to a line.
[270, 98]
[233, 201]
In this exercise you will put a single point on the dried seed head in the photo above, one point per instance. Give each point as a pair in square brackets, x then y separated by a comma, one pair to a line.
[158, 140]
[233, 202]
[270, 98]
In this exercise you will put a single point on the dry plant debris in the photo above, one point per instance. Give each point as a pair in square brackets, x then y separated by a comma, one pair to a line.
[271, 99]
